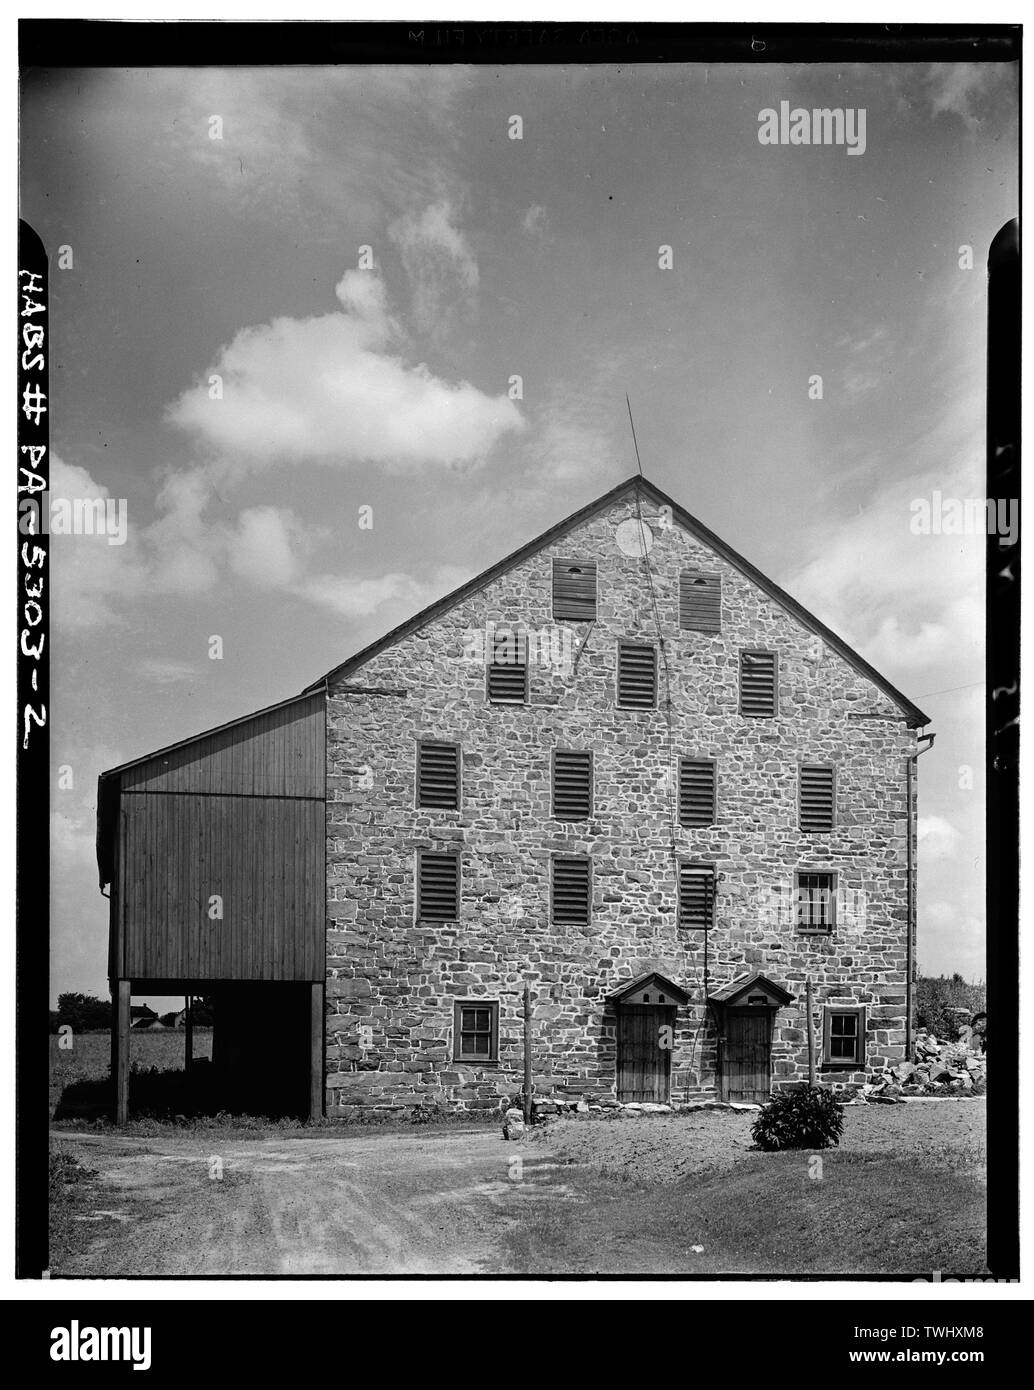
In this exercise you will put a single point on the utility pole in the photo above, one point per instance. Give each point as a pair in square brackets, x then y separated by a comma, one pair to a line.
[527, 1055]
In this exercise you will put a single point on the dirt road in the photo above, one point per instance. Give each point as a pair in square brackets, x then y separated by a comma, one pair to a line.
[387, 1203]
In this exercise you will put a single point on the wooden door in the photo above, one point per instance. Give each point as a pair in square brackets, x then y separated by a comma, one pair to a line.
[747, 1056]
[645, 1036]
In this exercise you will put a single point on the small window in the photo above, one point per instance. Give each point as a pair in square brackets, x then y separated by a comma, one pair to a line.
[572, 785]
[507, 671]
[757, 999]
[574, 590]
[637, 676]
[438, 775]
[843, 1037]
[696, 895]
[572, 892]
[758, 684]
[438, 887]
[696, 791]
[817, 799]
[816, 901]
[476, 1031]
[700, 601]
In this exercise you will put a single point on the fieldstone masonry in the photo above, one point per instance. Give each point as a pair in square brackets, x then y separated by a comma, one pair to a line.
[392, 981]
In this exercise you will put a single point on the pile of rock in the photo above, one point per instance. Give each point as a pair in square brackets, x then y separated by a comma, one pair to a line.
[939, 1069]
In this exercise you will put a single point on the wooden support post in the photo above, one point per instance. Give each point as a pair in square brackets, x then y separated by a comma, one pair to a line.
[120, 1049]
[317, 1025]
[811, 1032]
[527, 1055]
[188, 1029]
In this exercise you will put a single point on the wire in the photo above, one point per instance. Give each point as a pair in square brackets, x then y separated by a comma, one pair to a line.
[927, 693]
[634, 441]
[664, 658]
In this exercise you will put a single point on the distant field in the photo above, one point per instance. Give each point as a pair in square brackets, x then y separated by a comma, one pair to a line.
[89, 1057]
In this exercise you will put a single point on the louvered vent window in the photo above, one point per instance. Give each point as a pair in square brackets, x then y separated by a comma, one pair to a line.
[572, 785]
[696, 895]
[508, 668]
[700, 601]
[574, 590]
[438, 775]
[438, 887]
[817, 799]
[696, 791]
[571, 892]
[637, 676]
[758, 684]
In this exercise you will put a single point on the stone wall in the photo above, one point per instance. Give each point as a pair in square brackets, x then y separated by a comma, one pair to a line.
[392, 982]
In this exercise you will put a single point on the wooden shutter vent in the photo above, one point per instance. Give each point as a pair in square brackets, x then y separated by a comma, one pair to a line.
[696, 792]
[817, 785]
[571, 888]
[574, 590]
[572, 785]
[438, 888]
[696, 895]
[508, 668]
[438, 775]
[700, 601]
[637, 676]
[758, 684]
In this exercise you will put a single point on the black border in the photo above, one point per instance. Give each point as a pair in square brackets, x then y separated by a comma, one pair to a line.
[47, 44]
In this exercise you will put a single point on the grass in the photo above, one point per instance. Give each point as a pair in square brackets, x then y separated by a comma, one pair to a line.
[80, 1095]
[866, 1214]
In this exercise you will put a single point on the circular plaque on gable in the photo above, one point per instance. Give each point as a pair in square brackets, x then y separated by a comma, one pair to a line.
[633, 537]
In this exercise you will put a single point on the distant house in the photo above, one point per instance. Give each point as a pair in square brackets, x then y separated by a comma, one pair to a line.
[149, 1025]
[174, 1020]
[142, 1017]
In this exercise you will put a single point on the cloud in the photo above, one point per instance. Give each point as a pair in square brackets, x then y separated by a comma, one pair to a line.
[358, 597]
[938, 838]
[535, 220]
[959, 89]
[163, 671]
[334, 389]
[262, 547]
[439, 263]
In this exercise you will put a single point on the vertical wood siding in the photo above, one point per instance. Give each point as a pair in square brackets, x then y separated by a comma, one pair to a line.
[241, 815]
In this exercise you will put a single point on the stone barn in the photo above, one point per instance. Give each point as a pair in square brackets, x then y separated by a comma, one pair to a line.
[621, 768]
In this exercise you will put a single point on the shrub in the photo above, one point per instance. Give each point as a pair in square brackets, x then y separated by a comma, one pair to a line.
[800, 1117]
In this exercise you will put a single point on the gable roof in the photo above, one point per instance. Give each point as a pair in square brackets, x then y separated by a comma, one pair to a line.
[735, 989]
[635, 486]
[678, 994]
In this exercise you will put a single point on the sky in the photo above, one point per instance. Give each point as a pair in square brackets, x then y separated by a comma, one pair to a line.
[324, 308]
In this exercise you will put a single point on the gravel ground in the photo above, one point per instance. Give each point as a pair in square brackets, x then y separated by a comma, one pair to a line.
[664, 1148]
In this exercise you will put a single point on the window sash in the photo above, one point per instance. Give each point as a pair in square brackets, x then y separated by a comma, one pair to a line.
[816, 894]
[476, 1031]
[843, 1041]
